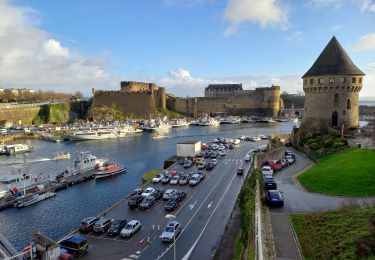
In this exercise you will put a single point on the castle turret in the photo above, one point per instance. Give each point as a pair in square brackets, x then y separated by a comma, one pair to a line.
[331, 89]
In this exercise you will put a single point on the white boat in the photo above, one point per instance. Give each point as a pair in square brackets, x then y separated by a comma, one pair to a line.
[230, 120]
[156, 126]
[103, 133]
[83, 163]
[179, 123]
[33, 199]
[209, 121]
[61, 156]
[16, 148]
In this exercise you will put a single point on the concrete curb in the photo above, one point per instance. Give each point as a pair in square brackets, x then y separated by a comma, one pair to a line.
[296, 239]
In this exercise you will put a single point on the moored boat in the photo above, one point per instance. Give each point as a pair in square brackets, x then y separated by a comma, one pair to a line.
[110, 169]
[61, 156]
[16, 148]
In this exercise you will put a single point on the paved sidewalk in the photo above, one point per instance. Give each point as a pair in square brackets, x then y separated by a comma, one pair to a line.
[285, 243]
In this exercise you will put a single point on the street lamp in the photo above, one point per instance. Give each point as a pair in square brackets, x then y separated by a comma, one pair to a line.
[172, 217]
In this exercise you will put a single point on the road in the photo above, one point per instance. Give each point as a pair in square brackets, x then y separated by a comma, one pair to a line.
[203, 215]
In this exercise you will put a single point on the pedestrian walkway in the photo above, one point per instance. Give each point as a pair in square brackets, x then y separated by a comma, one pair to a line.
[285, 242]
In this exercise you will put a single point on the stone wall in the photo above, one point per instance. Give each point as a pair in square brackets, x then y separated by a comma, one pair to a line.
[15, 116]
[140, 104]
[275, 154]
[259, 102]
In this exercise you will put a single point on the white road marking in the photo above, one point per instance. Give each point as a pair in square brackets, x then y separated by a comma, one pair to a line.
[209, 205]
[191, 206]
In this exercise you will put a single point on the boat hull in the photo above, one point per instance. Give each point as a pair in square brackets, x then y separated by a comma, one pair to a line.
[102, 175]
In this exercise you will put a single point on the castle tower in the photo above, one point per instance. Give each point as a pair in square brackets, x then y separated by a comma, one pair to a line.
[331, 89]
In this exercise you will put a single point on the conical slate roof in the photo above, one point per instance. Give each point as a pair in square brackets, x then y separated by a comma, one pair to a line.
[333, 61]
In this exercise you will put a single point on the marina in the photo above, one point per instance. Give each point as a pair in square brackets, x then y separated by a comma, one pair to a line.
[139, 153]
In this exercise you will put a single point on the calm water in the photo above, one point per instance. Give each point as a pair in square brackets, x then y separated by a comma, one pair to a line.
[57, 216]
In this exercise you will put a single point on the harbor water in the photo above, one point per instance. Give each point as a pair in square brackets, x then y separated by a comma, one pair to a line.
[55, 217]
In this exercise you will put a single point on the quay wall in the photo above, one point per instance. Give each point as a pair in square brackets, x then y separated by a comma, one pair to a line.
[274, 154]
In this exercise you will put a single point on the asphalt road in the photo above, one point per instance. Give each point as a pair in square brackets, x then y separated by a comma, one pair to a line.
[203, 215]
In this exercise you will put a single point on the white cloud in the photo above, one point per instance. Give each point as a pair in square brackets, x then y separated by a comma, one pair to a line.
[366, 5]
[336, 3]
[180, 82]
[368, 88]
[366, 42]
[265, 12]
[30, 57]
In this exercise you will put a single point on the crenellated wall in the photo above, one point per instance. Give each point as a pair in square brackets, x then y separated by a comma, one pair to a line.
[258, 102]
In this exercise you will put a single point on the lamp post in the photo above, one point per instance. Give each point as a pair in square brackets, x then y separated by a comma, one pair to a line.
[172, 217]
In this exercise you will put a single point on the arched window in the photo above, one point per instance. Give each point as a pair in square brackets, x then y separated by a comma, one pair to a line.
[349, 104]
[335, 119]
[336, 99]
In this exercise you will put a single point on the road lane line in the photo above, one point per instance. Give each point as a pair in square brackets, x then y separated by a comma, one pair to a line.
[208, 221]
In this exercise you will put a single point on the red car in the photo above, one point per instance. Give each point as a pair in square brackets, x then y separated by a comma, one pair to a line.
[275, 165]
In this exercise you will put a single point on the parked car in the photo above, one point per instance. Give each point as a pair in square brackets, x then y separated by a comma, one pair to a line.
[195, 179]
[166, 179]
[275, 165]
[148, 192]
[210, 166]
[269, 183]
[222, 153]
[134, 201]
[116, 227]
[158, 193]
[284, 162]
[247, 157]
[206, 154]
[188, 164]
[102, 225]
[137, 191]
[171, 231]
[290, 159]
[172, 203]
[202, 166]
[267, 170]
[169, 193]
[231, 146]
[214, 155]
[131, 228]
[87, 224]
[175, 180]
[183, 161]
[75, 245]
[240, 170]
[202, 174]
[274, 198]
[147, 202]
[199, 161]
[213, 161]
[157, 178]
[184, 179]
[290, 153]
[181, 195]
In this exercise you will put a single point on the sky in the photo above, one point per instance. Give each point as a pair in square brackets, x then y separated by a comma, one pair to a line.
[183, 45]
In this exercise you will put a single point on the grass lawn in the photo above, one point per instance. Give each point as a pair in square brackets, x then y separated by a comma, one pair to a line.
[344, 234]
[348, 173]
[147, 177]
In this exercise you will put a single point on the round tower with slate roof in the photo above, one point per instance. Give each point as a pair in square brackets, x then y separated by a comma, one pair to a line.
[331, 89]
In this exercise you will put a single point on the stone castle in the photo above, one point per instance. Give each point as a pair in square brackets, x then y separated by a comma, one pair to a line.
[332, 87]
[144, 99]
[139, 99]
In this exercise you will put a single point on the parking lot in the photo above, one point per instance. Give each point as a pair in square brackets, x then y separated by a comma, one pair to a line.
[197, 213]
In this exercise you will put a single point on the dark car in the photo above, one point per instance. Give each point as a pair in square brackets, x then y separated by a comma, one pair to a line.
[269, 183]
[166, 179]
[87, 224]
[137, 191]
[116, 227]
[240, 170]
[274, 198]
[231, 146]
[210, 166]
[284, 162]
[172, 203]
[75, 245]
[188, 164]
[214, 154]
[183, 161]
[206, 154]
[159, 193]
[202, 174]
[192, 159]
[147, 202]
[288, 143]
[181, 195]
[134, 201]
[102, 225]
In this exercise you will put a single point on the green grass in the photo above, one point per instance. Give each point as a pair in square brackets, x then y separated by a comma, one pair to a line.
[238, 247]
[345, 234]
[147, 177]
[348, 173]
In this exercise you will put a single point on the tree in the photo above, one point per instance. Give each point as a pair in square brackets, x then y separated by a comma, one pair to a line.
[78, 95]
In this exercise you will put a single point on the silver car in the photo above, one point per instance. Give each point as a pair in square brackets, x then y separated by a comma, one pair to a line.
[171, 231]
[132, 227]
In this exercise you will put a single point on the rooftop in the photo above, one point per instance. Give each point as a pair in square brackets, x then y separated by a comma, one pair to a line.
[224, 87]
[333, 61]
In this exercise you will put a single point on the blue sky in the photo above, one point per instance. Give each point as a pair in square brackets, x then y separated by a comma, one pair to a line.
[181, 44]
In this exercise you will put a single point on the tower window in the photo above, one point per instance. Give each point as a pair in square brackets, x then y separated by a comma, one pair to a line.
[305, 81]
[348, 104]
[343, 80]
[311, 81]
[331, 80]
[354, 80]
[360, 80]
[321, 80]
[336, 99]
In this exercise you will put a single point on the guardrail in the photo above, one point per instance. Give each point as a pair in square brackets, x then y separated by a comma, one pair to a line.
[7, 251]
